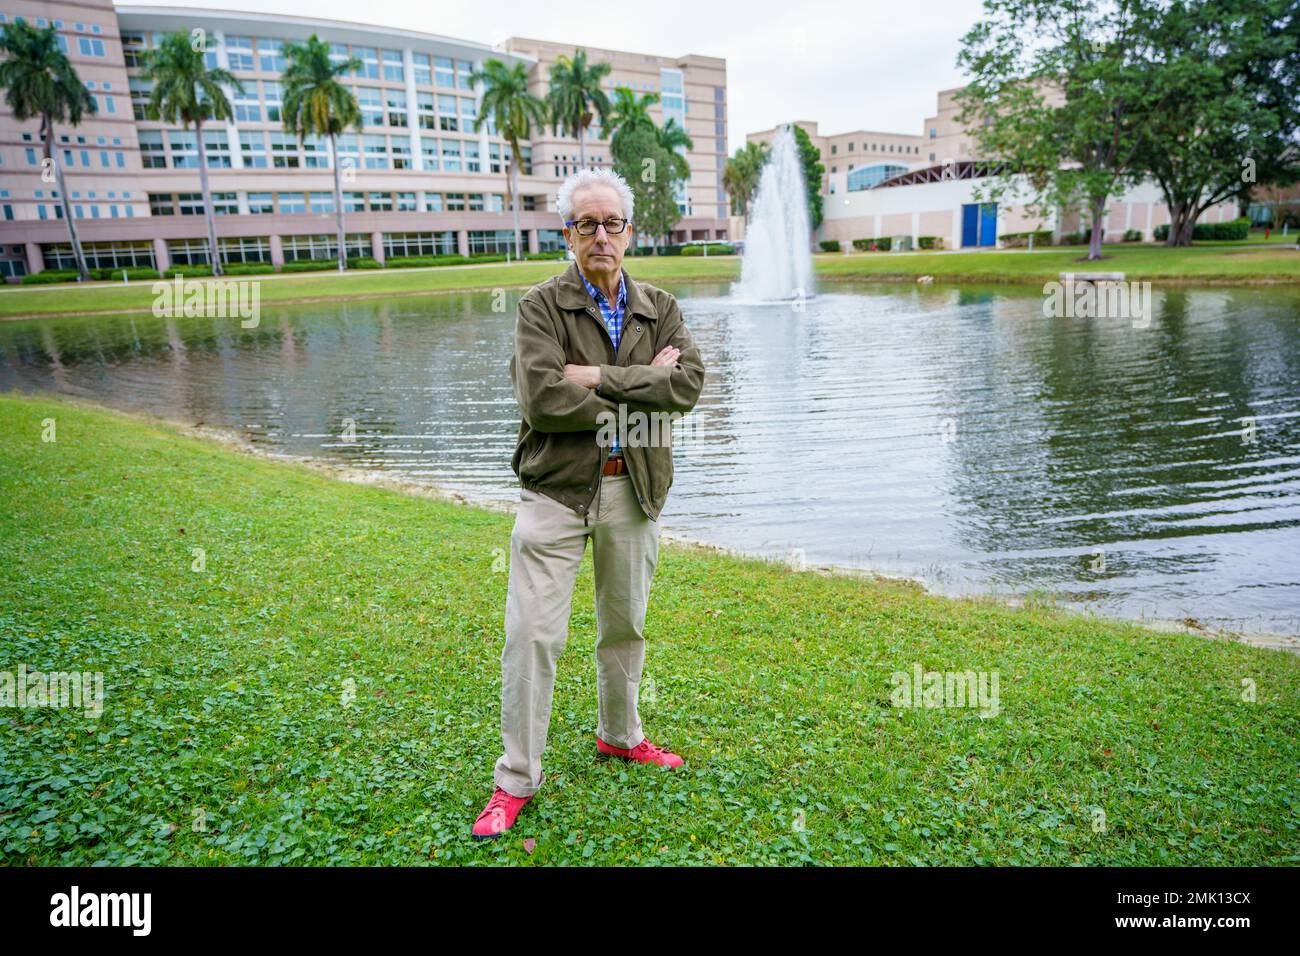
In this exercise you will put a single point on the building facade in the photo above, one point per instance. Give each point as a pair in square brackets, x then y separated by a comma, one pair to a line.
[417, 180]
[929, 187]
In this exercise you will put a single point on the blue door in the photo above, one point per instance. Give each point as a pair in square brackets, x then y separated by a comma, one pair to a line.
[970, 224]
[989, 224]
[979, 224]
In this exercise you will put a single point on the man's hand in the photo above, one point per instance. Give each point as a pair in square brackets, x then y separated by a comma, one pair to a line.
[588, 376]
[668, 356]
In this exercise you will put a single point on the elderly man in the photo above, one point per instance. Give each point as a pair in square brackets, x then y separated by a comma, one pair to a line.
[601, 364]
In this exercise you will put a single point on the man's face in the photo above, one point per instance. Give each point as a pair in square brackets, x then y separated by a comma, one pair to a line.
[601, 254]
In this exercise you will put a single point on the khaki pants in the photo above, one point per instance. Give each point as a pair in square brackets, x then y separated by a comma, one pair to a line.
[546, 547]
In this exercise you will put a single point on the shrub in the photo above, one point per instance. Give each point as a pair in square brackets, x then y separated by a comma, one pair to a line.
[936, 242]
[49, 275]
[1133, 235]
[363, 262]
[132, 272]
[310, 265]
[192, 270]
[828, 245]
[248, 268]
[1074, 239]
[1020, 240]
[1234, 231]
[723, 249]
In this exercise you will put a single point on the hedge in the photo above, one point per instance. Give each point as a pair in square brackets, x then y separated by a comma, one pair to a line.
[1234, 231]
[828, 245]
[725, 249]
[1020, 240]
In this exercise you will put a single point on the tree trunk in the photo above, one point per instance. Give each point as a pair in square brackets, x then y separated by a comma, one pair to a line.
[582, 146]
[207, 201]
[47, 131]
[1098, 212]
[338, 203]
[514, 199]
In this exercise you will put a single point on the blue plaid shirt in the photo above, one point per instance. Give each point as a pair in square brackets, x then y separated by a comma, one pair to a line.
[613, 316]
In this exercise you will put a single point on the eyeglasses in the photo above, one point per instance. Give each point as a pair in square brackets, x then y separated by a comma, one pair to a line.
[587, 227]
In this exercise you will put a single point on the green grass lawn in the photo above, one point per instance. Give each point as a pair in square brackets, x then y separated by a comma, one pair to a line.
[1244, 262]
[226, 737]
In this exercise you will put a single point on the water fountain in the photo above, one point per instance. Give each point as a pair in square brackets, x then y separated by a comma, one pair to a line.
[777, 264]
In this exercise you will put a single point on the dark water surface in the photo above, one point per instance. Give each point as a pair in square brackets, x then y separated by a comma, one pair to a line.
[950, 434]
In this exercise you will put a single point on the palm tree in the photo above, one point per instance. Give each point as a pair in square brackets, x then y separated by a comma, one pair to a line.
[39, 81]
[631, 112]
[317, 104]
[187, 91]
[741, 174]
[670, 137]
[514, 111]
[574, 88]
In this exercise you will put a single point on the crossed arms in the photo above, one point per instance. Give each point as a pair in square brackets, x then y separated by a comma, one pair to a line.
[555, 396]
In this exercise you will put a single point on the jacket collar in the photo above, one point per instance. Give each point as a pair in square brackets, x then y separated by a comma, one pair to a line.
[573, 294]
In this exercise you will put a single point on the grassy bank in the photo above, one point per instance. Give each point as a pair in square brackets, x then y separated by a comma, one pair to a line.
[227, 735]
[1238, 263]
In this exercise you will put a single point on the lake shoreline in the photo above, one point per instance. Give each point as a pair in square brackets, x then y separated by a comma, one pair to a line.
[232, 440]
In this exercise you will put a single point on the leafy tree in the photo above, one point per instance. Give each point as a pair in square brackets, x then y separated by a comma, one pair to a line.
[1055, 97]
[317, 104]
[648, 168]
[1224, 103]
[514, 112]
[575, 98]
[741, 174]
[813, 173]
[40, 82]
[189, 92]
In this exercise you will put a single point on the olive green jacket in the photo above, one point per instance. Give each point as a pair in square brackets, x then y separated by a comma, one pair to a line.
[564, 435]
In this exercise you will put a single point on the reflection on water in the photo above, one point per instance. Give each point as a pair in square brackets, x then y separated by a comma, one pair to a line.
[954, 435]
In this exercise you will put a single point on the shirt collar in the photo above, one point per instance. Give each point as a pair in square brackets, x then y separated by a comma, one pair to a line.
[598, 295]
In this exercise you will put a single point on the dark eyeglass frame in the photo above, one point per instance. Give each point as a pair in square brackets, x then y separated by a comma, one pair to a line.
[573, 224]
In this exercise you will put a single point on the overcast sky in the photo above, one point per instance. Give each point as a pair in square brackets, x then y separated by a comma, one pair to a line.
[870, 64]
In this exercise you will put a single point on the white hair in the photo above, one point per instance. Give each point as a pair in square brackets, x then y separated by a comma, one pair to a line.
[592, 177]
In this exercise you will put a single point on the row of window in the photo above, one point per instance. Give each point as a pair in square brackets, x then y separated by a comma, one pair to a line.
[126, 254]
[266, 55]
[260, 149]
[881, 147]
[286, 203]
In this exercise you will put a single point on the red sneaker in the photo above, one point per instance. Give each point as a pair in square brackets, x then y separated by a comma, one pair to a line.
[644, 752]
[498, 816]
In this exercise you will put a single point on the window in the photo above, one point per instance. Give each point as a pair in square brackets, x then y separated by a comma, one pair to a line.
[369, 58]
[376, 151]
[463, 71]
[152, 153]
[248, 108]
[216, 146]
[88, 46]
[291, 203]
[420, 66]
[401, 150]
[424, 110]
[442, 71]
[372, 105]
[393, 66]
[133, 46]
[451, 155]
[315, 152]
[471, 156]
[252, 146]
[381, 202]
[161, 204]
[396, 107]
[322, 202]
[284, 151]
[239, 50]
[271, 56]
[260, 204]
[475, 202]
[190, 204]
[432, 202]
[255, 249]
[272, 95]
[185, 149]
[188, 252]
[447, 114]
[455, 202]
[419, 244]
[495, 240]
[406, 202]
[428, 152]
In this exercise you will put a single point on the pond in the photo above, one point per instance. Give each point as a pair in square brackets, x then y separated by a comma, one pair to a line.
[950, 434]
